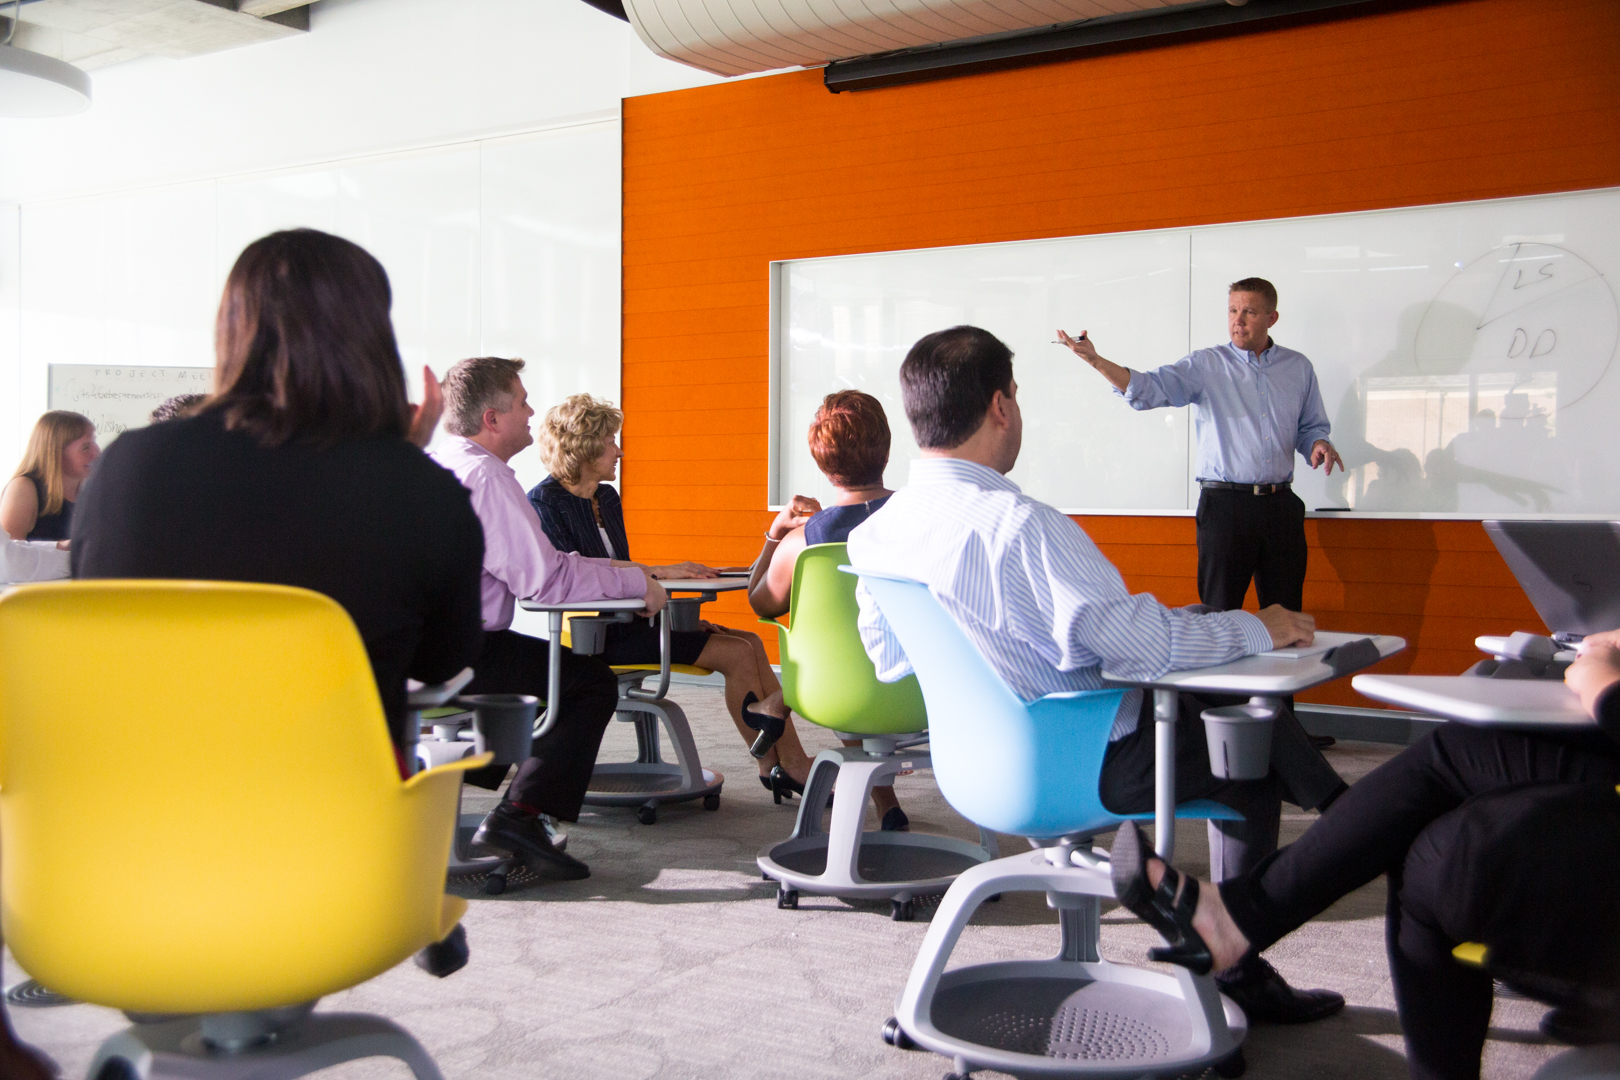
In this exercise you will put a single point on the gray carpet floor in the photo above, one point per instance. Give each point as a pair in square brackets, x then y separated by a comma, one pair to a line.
[672, 959]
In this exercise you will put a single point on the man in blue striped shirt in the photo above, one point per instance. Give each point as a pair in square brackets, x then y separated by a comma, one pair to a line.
[1049, 612]
[1255, 403]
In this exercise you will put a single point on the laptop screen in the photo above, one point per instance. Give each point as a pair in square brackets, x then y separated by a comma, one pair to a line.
[1570, 570]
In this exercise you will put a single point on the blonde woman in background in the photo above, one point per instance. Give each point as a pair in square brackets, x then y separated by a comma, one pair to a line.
[580, 511]
[38, 502]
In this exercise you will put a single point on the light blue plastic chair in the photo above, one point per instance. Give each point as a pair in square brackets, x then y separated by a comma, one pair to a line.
[1032, 770]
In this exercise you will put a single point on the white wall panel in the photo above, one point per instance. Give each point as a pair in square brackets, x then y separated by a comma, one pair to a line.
[125, 280]
[550, 268]
[11, 447]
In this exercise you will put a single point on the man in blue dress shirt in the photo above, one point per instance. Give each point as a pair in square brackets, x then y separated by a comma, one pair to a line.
[1254, 404]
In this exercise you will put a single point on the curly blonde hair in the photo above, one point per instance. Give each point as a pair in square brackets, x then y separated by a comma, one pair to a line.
[574, 433]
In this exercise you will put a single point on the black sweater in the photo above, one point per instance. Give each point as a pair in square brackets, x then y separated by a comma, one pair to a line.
[372, 523]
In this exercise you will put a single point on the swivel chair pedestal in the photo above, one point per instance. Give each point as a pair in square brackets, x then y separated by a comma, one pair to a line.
[649, 781]
[1073, 1014]
[850, 862]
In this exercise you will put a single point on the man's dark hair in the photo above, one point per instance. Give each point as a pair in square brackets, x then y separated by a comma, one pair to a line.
[176, 407]
[947, 382]
[304, 344]
[1256, 285]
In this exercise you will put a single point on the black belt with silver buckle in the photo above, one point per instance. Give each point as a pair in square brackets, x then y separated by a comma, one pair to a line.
[1253, 489]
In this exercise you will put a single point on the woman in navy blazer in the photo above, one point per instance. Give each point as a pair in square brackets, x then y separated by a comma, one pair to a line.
[580, 511]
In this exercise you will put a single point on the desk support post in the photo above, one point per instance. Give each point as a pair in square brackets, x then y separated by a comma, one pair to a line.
[553, 674]
[1164, 772]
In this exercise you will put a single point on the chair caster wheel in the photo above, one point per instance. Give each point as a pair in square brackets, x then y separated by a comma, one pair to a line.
[765, 877]
[647, 815]
[787, 898]
[711, 801]
[902, 910]
[1232, 1065]
[895, 1035]
[495, 885]
[995, 899]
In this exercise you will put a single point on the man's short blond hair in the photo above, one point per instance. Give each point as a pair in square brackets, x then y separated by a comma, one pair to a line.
[476, 384]
[574, 433]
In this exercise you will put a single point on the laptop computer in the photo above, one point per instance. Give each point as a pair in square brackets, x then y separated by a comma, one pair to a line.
[1570, 570]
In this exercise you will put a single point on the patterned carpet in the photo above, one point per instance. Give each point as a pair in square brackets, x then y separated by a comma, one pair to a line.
[672, 960]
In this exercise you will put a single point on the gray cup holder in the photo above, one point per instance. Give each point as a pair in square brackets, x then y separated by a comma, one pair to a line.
[684, 612]
[503, 724]
[1239, 739]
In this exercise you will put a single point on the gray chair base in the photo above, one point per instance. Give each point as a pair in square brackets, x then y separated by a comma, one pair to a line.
[465, 859]
[176, 1049]
[1583, 1063]
[649, 782]
[850, 862]
[1073, 1015]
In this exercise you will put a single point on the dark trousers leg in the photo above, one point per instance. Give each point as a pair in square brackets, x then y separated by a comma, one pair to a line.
[1299, 772]
[1368, 830]
[554, 780]
[1227, 548]
[1279, 572]
[1444, 1005]
[1244, 537]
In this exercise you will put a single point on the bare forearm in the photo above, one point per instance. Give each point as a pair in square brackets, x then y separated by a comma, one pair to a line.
[1118, 377]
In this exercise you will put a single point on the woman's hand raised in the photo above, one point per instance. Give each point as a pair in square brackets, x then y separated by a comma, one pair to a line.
[425, 417]
[793, 516]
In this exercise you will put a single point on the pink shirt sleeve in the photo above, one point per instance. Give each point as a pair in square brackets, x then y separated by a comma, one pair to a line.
[518, 553]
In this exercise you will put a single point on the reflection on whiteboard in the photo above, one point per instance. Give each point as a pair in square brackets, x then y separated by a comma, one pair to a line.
[117, 399]
[1465, 351]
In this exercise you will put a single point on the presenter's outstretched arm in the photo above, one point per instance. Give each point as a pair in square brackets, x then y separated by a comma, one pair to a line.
[1322, 451]
[1118, 377]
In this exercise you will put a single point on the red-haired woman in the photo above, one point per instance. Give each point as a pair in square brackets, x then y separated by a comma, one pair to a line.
[38, 502]
[849, 438]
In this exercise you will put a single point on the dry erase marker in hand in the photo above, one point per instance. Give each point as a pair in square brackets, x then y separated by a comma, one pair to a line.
[1082, 337]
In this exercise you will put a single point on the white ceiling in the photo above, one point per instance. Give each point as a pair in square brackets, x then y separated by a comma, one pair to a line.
[96, 33]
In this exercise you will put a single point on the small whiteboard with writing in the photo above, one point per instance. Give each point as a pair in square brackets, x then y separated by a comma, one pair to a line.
[117, 399]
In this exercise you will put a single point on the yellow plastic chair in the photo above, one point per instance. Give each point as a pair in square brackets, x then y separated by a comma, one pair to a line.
[650, 781]
[202, 814]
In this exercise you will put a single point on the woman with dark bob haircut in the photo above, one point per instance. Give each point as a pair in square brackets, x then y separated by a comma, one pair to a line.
[303, 467]
[849, 438]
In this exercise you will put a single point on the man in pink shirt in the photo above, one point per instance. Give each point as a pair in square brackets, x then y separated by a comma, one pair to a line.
[487, 416]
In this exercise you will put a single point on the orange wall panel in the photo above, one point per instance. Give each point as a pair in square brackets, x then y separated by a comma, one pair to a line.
[1388, 105]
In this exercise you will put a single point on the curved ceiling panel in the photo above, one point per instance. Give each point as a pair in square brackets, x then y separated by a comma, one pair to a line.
[736, 37]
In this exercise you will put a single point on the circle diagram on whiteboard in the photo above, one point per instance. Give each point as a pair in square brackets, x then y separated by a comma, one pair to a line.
[1530, 314]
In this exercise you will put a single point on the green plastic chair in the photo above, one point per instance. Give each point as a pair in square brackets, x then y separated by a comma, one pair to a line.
[828, 679]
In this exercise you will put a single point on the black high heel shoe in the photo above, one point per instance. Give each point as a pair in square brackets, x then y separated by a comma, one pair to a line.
[1162, 908]
[770, 727]
[782, 784]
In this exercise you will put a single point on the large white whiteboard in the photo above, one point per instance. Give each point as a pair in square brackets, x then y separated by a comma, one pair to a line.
[1465, 351]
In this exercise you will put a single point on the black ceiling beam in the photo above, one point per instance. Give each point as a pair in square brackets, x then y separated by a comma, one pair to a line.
[1061, 41]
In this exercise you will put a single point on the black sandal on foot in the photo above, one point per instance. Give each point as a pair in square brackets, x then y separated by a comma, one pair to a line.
[770, 727]
[1162, 908]
[783, 786]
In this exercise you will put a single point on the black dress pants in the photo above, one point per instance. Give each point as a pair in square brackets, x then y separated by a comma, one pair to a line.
[1371, 828]
[1299, 774]
[1532, 872]
[1243, 536]
[554, 780]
